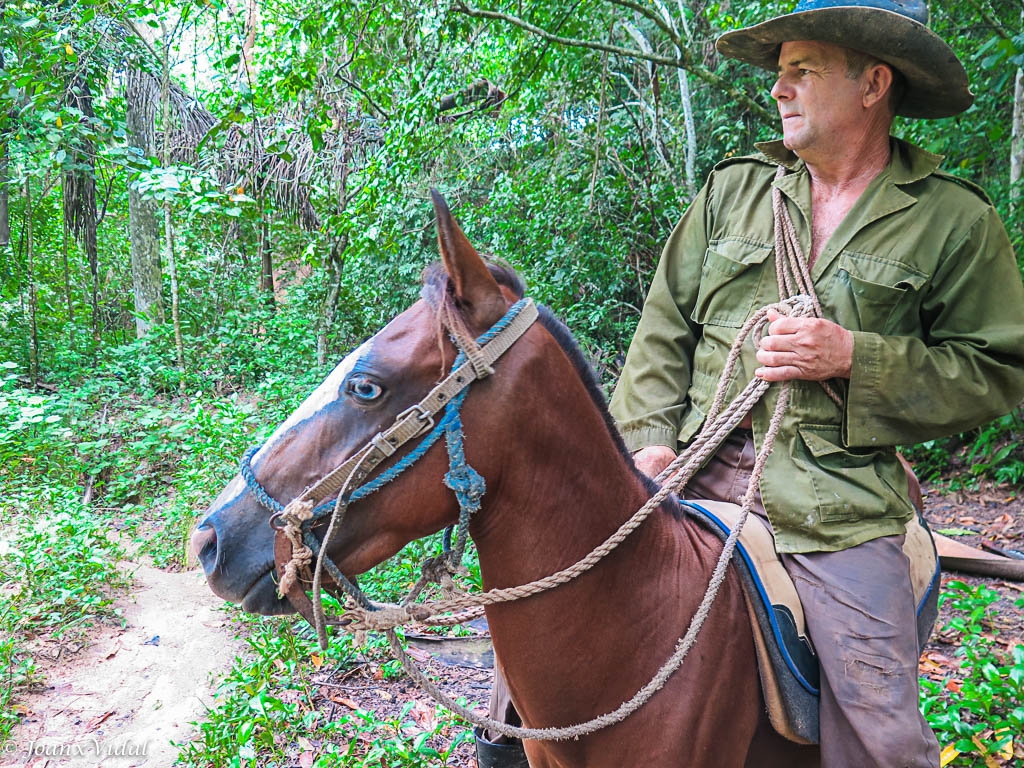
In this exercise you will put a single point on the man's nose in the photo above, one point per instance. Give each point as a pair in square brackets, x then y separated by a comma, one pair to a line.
[780, 90]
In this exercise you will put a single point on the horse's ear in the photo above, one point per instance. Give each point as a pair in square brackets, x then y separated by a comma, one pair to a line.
[475, 287]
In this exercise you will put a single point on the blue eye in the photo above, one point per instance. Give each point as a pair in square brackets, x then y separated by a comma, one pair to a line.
[363, 388]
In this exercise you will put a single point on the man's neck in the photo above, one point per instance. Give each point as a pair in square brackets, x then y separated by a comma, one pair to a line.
[837, 181]
[847, 169]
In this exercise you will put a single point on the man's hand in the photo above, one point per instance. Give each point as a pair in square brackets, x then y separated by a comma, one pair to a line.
[806, 348]
[652, 459]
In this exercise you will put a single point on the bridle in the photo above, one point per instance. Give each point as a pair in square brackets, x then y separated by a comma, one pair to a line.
[295, 545]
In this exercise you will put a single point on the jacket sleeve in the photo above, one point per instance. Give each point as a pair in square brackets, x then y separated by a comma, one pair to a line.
[968, 366]
[651, 395]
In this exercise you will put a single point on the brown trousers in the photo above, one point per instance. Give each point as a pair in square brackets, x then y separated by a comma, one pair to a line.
[861, 616]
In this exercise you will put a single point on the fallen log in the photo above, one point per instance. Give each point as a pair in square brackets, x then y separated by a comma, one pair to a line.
[954, 556]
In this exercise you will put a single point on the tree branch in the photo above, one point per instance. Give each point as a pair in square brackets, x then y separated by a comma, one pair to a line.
[686, 62]
[661, 23]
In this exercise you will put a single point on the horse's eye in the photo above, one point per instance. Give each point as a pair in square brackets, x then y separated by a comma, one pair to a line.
[363, 388]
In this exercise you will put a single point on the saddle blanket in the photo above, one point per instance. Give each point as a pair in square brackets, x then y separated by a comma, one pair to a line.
[787, 664]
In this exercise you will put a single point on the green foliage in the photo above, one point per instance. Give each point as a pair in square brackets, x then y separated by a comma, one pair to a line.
[994, 451]
[58, 571]
[266, 713]
[985, 711]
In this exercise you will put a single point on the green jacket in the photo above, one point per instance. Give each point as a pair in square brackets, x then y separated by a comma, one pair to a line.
[920, 270]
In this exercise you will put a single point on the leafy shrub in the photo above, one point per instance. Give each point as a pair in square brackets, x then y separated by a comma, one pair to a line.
[981, 714]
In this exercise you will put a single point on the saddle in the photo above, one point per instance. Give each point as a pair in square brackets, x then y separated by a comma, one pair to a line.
[787, 664]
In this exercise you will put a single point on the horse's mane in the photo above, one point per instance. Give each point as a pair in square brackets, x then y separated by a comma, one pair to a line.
[437, 293]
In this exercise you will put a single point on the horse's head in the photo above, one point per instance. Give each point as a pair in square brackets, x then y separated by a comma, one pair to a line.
[361, 398]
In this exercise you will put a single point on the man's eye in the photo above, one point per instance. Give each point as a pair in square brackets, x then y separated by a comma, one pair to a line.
[363, 388]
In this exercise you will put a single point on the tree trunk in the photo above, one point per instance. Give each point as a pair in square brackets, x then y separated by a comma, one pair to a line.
[165, 159]
[143, 226]
[33, 342]
[266, 258]
[65, 240]
[684, 97]
[336, 264]
[5, 211]
[1017, 145]
[172, 268]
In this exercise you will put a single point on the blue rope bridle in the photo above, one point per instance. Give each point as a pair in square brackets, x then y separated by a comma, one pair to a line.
[466, 483]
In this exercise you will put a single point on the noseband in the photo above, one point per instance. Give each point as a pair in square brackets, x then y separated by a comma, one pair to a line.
[295, 545]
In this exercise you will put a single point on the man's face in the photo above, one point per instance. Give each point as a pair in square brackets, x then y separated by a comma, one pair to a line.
[820, 106]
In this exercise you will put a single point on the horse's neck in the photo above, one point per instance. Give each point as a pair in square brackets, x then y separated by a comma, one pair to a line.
[566, 493]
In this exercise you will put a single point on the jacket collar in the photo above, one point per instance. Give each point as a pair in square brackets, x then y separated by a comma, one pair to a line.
[884, 195]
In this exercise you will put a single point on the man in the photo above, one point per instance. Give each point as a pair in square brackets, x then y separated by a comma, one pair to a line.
[921, 334]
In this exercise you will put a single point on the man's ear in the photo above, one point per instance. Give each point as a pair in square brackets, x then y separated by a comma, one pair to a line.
[878, 82]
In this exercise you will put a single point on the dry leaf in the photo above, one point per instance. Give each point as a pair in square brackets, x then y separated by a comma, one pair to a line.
[1006, 751]
[949, 754]
[97, 721]
[345, 702]
[419, 654]
[424, 715]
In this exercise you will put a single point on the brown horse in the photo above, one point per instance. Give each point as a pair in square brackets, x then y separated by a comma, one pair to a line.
[559, 481]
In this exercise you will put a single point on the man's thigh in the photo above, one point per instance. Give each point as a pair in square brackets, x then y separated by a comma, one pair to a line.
[861, 616]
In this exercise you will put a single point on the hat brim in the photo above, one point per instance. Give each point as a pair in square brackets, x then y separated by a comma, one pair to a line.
[936, 80]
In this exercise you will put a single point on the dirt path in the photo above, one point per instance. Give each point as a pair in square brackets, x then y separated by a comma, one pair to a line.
[125, 698]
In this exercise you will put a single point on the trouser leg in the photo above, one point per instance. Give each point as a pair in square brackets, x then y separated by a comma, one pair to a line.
[500, 707]
[861, 616]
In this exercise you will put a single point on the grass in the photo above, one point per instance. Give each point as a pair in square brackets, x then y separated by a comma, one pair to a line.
[271, 711]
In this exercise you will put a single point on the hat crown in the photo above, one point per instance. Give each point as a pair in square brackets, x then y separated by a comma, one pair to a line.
[916, 10]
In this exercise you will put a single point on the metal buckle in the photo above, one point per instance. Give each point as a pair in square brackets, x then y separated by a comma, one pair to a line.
[426, 420]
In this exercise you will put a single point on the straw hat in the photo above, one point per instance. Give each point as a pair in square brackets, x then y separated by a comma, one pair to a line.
[893, 31]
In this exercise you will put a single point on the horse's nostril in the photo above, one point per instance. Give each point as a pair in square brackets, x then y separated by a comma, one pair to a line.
[203, 543]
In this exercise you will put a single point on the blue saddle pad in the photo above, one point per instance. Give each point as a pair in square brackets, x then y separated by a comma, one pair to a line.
[787, 662]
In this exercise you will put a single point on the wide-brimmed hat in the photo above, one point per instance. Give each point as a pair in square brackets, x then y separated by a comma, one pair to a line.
[893, 31]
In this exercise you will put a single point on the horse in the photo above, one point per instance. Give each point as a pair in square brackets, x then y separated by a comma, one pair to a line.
[559, 481]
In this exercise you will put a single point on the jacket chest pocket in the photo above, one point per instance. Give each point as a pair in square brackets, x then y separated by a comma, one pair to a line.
[732, 283]
[880, 295]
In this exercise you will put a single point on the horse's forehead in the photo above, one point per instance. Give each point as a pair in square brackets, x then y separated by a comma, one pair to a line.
[329, 391]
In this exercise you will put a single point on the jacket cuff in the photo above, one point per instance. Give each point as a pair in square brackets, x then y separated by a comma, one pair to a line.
[644, 437]
[859, 429]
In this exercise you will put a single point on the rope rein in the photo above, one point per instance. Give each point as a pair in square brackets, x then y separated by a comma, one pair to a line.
[475, 361]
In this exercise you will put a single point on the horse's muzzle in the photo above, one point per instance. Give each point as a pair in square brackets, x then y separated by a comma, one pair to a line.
[244, 576]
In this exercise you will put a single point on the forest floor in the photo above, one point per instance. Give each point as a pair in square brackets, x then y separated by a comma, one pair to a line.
[137, 688]
[122, 694]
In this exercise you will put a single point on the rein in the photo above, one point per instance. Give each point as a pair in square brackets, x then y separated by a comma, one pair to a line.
[799, 300]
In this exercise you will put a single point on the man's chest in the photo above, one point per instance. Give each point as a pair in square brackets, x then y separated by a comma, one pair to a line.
[826, 216]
